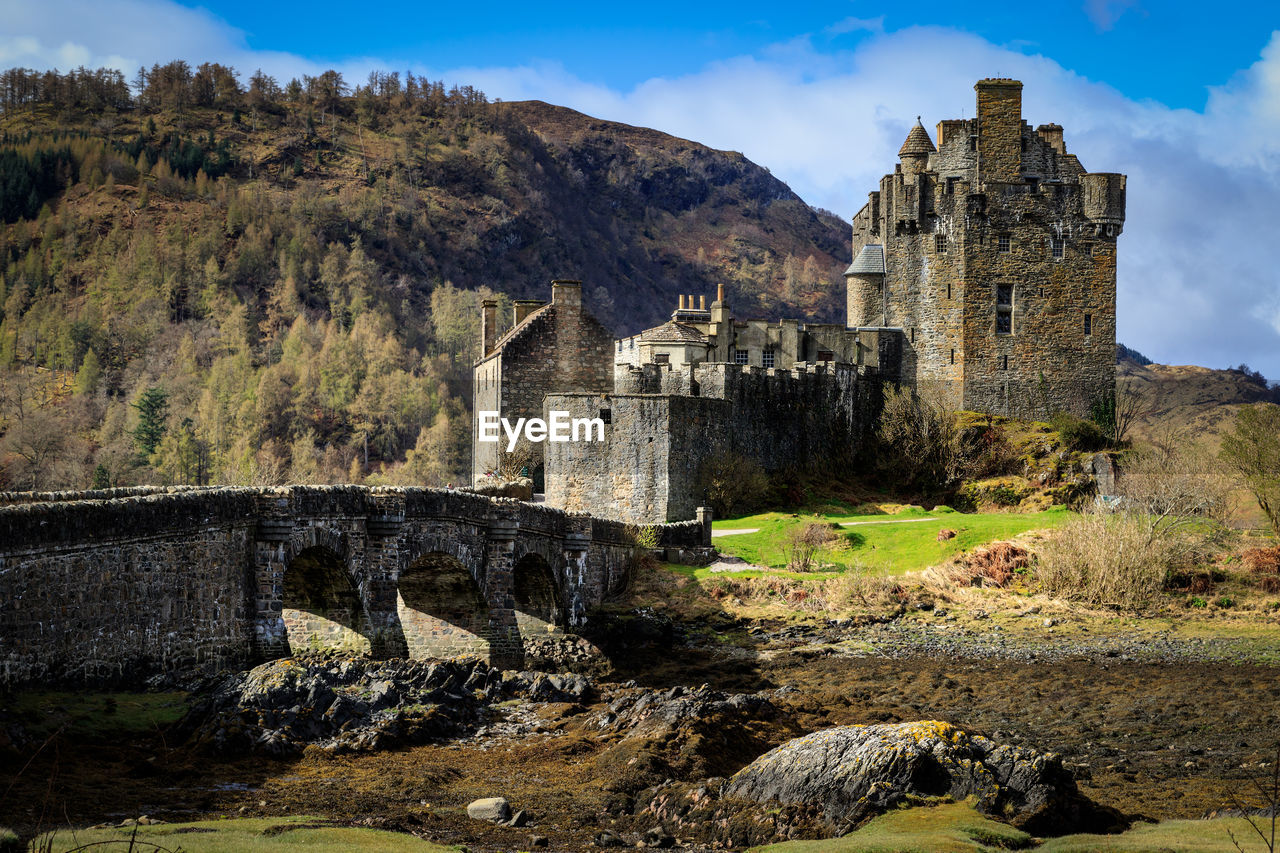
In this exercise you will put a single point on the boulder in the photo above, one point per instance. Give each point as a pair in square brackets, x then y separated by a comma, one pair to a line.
[853, 772]
[492, 809]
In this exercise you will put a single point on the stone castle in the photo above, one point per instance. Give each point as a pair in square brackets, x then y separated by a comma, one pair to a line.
[983, 276]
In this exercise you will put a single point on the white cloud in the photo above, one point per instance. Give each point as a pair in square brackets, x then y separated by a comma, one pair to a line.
[1198, 261]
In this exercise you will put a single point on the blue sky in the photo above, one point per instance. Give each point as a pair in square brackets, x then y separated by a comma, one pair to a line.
[1182, 97]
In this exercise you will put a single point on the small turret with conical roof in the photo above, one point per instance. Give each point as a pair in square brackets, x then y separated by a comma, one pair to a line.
[916, 149]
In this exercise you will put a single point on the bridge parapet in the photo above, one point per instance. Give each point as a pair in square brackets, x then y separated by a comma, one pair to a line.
[112, 586]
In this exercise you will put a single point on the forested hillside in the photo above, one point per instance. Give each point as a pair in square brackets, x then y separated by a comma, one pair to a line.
[209, 279]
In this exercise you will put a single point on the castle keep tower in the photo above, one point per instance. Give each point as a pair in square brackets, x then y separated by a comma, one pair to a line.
[994, 252]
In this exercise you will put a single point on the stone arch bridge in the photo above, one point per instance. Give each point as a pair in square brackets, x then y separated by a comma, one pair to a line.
[121, 584]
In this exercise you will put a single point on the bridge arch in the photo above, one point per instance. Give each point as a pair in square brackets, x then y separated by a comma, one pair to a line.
[321, 605]
[442, 608]
[537, 595]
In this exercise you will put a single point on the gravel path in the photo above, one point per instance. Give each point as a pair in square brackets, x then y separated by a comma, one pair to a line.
[738, 531]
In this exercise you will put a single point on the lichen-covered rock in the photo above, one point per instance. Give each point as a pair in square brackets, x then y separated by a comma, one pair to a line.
[852, 772]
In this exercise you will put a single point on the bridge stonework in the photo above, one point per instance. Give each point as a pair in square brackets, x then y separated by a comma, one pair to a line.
[119, 585]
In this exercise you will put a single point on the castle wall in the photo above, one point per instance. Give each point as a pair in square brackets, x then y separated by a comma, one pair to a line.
[1048, 363]
[650, 464]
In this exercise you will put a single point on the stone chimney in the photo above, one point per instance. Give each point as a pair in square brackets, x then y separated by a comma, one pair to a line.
[524, 307]
[1052, 134]
[999, 130]
[488, 326]
[566, 293]
[702, 302]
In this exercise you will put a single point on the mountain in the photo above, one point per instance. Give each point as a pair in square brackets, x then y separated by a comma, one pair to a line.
[206, 280]
[1189, 400]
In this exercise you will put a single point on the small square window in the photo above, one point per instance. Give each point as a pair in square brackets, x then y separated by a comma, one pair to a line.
[662, 358]
[1002, 242]
[826, 355]
[940, 242]
[766, 358]
[740, 356]
[606, 415]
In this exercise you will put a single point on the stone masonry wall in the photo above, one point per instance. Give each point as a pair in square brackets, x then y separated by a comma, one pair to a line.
[114, 591]
[558, 348]
[648, 467]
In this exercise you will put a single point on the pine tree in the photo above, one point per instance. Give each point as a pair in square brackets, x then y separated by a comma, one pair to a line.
[152, 406]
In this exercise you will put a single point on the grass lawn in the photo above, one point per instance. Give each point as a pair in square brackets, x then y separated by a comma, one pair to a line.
[242, 835]
[958, 828]
[902, 542]
[97, 715]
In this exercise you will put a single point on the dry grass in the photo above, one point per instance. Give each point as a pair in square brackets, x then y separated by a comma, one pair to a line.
[1115, 558]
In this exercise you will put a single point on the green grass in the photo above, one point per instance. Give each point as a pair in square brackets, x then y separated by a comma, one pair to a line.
[949, 828]
[885, 543]
[97, 715]
[958, 827]
[244, 835]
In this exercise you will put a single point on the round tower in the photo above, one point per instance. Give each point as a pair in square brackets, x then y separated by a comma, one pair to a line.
[915, 150]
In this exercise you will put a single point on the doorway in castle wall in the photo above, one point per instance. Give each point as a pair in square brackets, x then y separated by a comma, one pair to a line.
[537, 595]
[322, 609]
[442, 611]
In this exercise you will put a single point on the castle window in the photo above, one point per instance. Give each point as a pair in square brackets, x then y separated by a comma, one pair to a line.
[1058, 246]
[948, 290]
[1088, 249]
[939, 242]
[766, 358]
[826, 355]
[606, 415]
[740, 356]
[1002, 242]
[1088, 324]
[662, 358]
[619, 345]
[1004, 309]
[953, 356]
[1004, 362]
[913, 334]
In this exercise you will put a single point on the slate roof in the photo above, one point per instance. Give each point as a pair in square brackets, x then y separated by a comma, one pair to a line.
[917, 141]
[869, 260]
[673, 332]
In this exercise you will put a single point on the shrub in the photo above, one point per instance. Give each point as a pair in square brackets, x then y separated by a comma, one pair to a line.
[921, 445]
[804, 543]
[1197, 601]
[733, 483]
[1077, 433]
[998, 562]
[1114, 558]
[1262, 561]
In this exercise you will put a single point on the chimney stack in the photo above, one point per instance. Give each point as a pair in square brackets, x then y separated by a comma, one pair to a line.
[702, 302]
[567, 293]
[999, 130]
[488, 326]
[524, 307]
